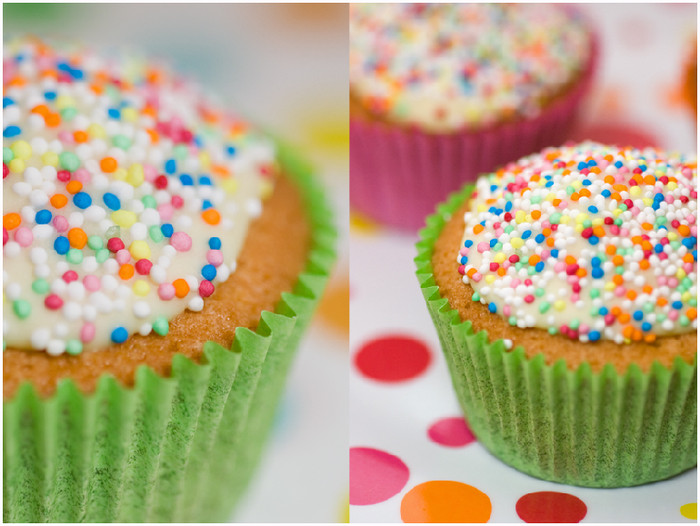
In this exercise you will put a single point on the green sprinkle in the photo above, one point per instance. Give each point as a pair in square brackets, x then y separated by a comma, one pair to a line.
[531, 270]
[180, 152]
[513, 321]
[476, 297]
[68, 114]
[539, 292]
[95, 242]
[683, 320]
[693, 302]
[508, 229]
[121, 141]
[555, 218]
[648, 307]
[587, 223]
[661, 220]
[552, 331]
[619, 221]
[536, 199]
[620, 270]
[22, 308]
[69, 161]
[74, 347]
[623, 207]
[594, 311]
[675, 245]
[40, 286]
[74, 256]
[498, 247]
[161, 326]
[149, 201]
[595, 293]
[155, 233]
[570, 190]
[102, 255]
[544, 307]
[7, 154]
[660, 317]
[574, 324]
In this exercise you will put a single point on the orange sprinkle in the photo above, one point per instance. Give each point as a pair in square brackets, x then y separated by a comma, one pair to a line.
[598, 231]
[637, 335]
[585, 192]
[534, 260]
[688, 258]
[647, 289]
[644, 264]
[58, 200]
[501, 271]
[52, 120]
[11, 221]
[616, 311]
[647, 226]
[595, 170]
[650, 180]
[220, 169]
[96, 88]
[536, 214]
[182, 288]
[126, 271]
[211, 216]
[581, 272]
[41, 109]
[609, 179]
[546, 232]
[471, 272]
[478, 229]
[108, 164]
[624, 317]
[628, 331]
[616, 196]
[565, 171]
[617, 279]
[74, 186]
[610, 250]
[569, 260]
[153, 134]
[77, 237]
[556, 202]
[575, 197]
[692, 313]
[618, 260]
[631, 295]
[684, 230]
[650, 338]
[661, 302]
[80, 136]
[550, 242]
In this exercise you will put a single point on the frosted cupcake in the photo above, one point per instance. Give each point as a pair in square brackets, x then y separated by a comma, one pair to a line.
[147, 326]
[440, 93]
[564, 289]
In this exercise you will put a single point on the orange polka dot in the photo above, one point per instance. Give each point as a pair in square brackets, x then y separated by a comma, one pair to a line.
[58, 200]
[211, 216]
[74, 186]
[11, 221]
[181, 288]
[126, 271]
[108, 164]
[445, 501]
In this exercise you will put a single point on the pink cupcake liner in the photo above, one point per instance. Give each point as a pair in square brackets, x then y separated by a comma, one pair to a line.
[398, 175]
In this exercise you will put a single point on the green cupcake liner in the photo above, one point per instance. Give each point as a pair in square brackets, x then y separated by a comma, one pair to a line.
[175, 449]
[596, 429]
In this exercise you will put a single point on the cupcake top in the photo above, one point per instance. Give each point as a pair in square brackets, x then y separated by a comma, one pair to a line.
[446, 67]
[590, 241]
[127, 197]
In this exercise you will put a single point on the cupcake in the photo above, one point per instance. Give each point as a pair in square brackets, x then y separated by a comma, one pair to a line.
[148, 323]
[440, 93]
[564, 291]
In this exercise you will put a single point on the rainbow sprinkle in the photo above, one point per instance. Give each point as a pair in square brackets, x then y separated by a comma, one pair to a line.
[589, 241]
[127, 196]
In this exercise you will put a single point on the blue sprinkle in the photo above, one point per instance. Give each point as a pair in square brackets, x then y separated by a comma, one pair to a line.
[167, 229]
[492, 307]
[509, 206]
[7, 101]
[597, 272]
[646, 326]
[638, 315]
[549, 184]
[539, 238]
[61, 245]
[468, 243]
[493, 242]
[11, 131]
[49, 95]
[204, 180]
[618, 164]
[689, 242]
[43, 217]
[678, 305]
[463, 260]
[209, 272]
[186, 180]
[606, 193]
[231, 151]
[603, 311]
[214, 243]
[494, 187]
[658, 248]
[593, 209]
[643, 167]
[206, 204]
[594, 336]
[82, 200]
[112, 201]
[592, 163]
[526, 234]
[586, 182]
[596, 261]
[582, 165]
[554, 253]
[170, 166]
[540, 266]
[659, 196]
[695, 254]
[119, 335]
[593, 240]
[114, 113]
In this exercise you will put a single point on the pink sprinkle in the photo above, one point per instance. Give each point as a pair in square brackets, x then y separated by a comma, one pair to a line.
[206, 288]
[529, 298]
[476, 277]
[91, 282]
[166, 212]
[166, 291]
[215, 257]
[87, 332]
[115, 244]
[464, 251]
[65, 137]
[24, 236]
[70, 275]
[53, 302]
[515, 282]
[60, 223]
[123, 256]
[461, 270]
[482, 247]
[583, 328]
[506, 310]
[63, 176]
[672, 282]
[673, 315]
[609, 319]
[149, 172]
[661, 280]
[560, 266]
[5, 236]
[181, 241]
[575, 297]
[143, 266]
[177, 201]
[82, 175]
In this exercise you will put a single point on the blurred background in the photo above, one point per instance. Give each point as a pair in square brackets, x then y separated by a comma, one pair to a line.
[284, 68]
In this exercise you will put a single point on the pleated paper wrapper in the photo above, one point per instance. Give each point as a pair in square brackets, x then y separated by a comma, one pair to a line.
[398, 175]
[175, 449]
[578, 427]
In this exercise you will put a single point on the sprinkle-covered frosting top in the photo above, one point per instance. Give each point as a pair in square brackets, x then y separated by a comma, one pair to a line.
[589, 241]
[446, 67]
[127, 197]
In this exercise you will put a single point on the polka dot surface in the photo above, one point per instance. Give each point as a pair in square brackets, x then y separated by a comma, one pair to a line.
[550, 506]
[375, 475]
[445, 501]
[393, 358]
[690, 511]
[451, 432]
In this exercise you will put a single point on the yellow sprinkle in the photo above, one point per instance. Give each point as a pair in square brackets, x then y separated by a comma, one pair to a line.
[50, 158]
[64, 101]
[578, 228]
[120, 174]
[686, 296]
[16, 166]
[490, 278]
[21, 150]
[577, 184]
[96, 131]
[636, 191]
[124, 218]
[516, 243]
[565, 219]
[141, 287]
[648, 201]
[617, 212]
[139, 249]
[130, 115]
[229, 186]
[559, 305]
[610, 285]
[135, 176]
[597, 221]
[581, 217]
[671, 185]
[481, 207]
[204, 160]
[672, 236]
[551, 196]
[519, 216]
[680, 273]
[500, 257]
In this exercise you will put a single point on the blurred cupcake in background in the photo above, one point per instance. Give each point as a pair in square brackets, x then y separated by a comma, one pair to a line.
[442, 92]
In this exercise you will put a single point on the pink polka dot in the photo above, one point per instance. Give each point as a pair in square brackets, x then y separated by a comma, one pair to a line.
[451, 432]
[550, 506]
[375, 475]
[393, 358]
